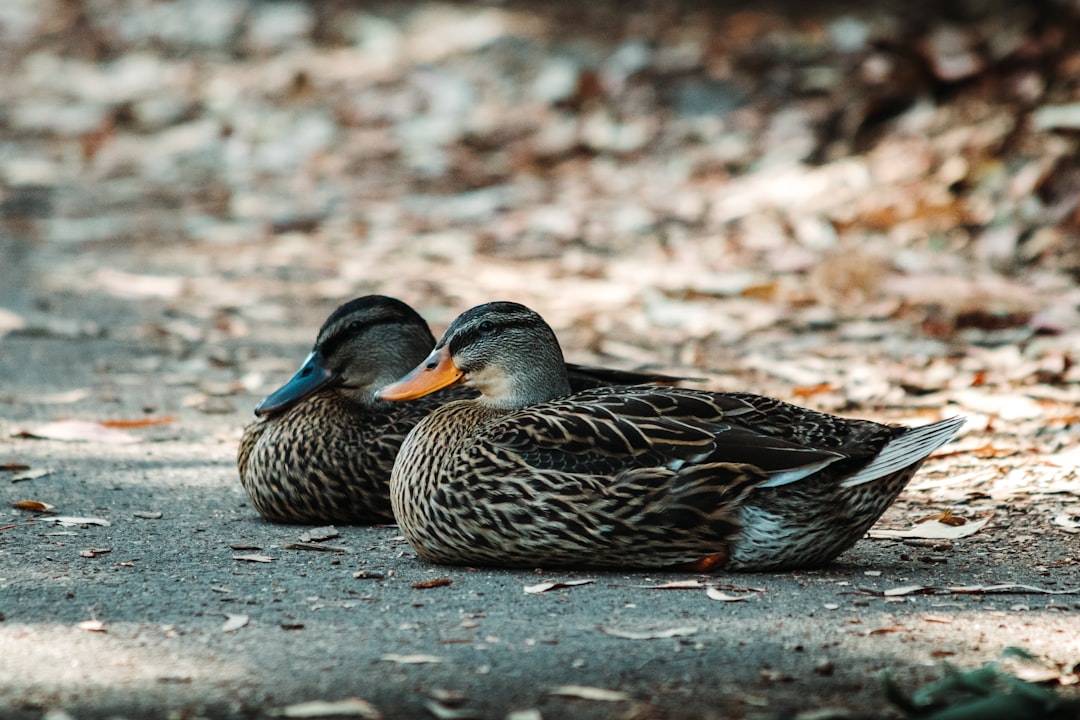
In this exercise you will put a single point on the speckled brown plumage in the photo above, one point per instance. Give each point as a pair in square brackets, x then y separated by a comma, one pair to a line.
[322, 447]
[647, 477]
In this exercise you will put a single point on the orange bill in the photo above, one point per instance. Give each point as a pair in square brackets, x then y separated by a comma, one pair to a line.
[435, 373]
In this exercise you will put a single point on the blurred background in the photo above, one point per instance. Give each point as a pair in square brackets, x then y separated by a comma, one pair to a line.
[847, 204]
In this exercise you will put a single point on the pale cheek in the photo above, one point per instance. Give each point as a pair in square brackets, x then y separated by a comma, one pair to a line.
[489, 381]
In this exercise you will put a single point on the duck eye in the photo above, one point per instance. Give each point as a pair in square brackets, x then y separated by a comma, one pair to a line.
[355, 326]
[487, 326]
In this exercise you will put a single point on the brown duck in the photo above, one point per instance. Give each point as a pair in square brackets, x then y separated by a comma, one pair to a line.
[322, 446]
[529, 474]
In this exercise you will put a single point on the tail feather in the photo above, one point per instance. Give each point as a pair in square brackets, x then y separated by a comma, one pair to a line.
[907, 449]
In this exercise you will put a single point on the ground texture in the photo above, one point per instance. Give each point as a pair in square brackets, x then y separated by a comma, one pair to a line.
[863, 210]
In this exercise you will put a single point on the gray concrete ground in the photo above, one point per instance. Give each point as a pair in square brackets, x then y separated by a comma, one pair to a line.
[329, 625]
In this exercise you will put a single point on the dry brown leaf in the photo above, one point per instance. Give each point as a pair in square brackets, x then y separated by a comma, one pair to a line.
[586, 692]
[715, 593]
[368, 575]
[234, 622]
[806, 391]
[319, 534]
[428, 584]
[71, 520]
[14, 467]
[528, 714]
[647, 634]
[906, 590]
[79, 431]
[1069, 520]
[555, 585]
[934, 530]
[415, 659]
[1009, 589]
[676, 585]
[139, 422]
[32, 506]
[59, 398]
[254, 558]
[945, 518]
[444, 711]
[31, 474]
[94, 552]
[92, 626]
[349, 707]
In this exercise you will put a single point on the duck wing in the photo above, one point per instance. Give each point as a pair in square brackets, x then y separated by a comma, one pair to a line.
[612, 430]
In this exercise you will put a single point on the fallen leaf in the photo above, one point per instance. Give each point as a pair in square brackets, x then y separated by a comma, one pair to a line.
[417, 659]
[934, 530]
[70, 521]
[676, 585]
[92, 626]
[906, 590]
[94, 552]
[234, 622]
[292, 626]
[59, 398]
[245, 546]
[555, 585]
[79, 431]
[14, 466]
[31, 474]
[147, 514]
[33, 506]
[945, 518]
[10, 321]
[529, 714]
[349, 707]
[1003, 589]
[428, 584]
[647, 634]
[716, 594]
[315, 547]
[254, 558]
[1069, 520]
[1009, 589]
[319, 534]
[139, 422]
[447, 712]
[586, 692]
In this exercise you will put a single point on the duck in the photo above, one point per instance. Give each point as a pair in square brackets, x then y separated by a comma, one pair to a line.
[531, 474]
[321, 446]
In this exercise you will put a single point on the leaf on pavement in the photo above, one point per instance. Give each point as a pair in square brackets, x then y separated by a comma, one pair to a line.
[94, 552]
[139, 422]
[415, 659]
[31, 474]
[234, 622]
[587, 692]
[254, 558]
[935, 529]
[555, 585]
[428, 584]
[648, 634]
[349, 707]
[73, 521]
[32, 506]
[1068, 519]
[715, 593]
[79, 431]
[14, 467]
